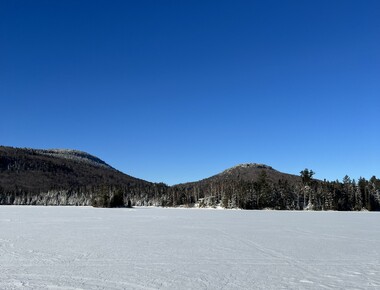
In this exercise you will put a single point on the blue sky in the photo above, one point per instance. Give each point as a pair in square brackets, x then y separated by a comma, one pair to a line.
[177, 91]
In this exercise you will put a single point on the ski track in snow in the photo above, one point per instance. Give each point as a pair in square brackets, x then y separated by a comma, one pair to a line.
[158, 248]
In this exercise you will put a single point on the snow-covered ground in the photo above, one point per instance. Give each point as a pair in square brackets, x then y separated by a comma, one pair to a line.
[156, 248]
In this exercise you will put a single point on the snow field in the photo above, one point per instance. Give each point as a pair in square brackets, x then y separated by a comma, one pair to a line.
[158, 248]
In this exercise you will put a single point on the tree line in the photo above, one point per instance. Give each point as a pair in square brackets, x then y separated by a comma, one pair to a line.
[305, 194]
[308, 194]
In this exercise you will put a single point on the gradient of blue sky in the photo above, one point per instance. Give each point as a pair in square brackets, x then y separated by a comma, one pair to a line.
[176, 91]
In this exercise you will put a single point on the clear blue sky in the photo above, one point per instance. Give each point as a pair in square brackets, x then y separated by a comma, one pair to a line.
[176, 91]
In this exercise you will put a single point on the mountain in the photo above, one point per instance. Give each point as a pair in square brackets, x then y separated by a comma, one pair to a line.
[63, 177]
[248, 185]
[259, 186]
[252, 172]
[71, 177]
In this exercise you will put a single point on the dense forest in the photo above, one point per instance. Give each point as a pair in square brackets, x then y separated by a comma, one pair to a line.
[69, 177]
[66, 177]
[308, 194]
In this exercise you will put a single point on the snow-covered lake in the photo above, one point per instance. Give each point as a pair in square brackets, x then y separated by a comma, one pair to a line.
[156, 248]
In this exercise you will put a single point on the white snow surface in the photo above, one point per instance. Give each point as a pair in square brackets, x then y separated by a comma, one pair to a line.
[161, 248]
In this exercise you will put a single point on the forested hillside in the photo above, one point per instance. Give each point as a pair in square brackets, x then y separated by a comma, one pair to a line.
[256, 186]
[70, 177]
[67, 177]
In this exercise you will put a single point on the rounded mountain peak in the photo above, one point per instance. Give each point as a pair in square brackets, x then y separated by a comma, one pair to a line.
[77, 155]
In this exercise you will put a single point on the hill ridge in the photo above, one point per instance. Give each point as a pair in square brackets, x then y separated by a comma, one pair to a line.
[73, 177]
[65, 177]
[73, 154]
